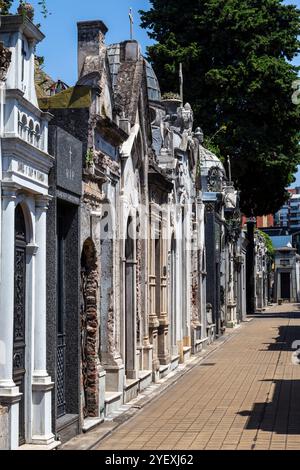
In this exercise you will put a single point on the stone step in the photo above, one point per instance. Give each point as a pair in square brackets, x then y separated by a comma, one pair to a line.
[91, 423]
[112, 402]
[145, 377]
[164, 371]
[200, 344]
[131, 389]
[186, 353]
[175, 362]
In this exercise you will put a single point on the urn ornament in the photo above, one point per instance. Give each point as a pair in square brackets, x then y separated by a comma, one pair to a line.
[26, 9]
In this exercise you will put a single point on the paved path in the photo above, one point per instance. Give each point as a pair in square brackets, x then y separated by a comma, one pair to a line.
[246, 395]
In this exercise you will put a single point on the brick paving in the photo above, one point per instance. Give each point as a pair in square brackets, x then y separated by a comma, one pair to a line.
[246, 395]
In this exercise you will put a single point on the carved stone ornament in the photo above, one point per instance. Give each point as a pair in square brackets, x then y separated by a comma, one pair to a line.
[5, 59]
[186, 117]
[215, 180]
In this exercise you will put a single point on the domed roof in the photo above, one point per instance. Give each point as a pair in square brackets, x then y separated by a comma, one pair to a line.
[213, 175]
[154, 93]
[114, 59]
[209, 160]
[113, 54]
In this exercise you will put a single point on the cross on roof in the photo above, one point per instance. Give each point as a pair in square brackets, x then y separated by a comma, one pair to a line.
[131, 23]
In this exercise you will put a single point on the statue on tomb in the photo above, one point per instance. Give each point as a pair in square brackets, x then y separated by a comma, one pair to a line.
[5, 59]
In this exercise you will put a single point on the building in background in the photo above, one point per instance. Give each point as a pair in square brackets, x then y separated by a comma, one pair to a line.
[287, 270]
[289, 215]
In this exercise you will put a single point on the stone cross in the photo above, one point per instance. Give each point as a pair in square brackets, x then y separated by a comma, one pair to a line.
[70, 172]
[131, 23]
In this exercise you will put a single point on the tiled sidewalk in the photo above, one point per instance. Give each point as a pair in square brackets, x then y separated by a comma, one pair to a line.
[246, 395]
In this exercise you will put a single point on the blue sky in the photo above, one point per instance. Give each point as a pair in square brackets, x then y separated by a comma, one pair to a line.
[60, 45]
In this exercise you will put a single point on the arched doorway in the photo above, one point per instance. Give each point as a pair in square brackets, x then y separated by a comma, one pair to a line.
[130, 302]
[19, 348]
[89, 330]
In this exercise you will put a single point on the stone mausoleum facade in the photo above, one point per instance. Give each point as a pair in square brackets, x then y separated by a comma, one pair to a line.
[121, 246]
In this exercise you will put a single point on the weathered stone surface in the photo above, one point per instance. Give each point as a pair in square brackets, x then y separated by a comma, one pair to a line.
[3, 427]
[5, 60]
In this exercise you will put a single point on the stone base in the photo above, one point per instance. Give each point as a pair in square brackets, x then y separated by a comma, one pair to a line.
[91, 423]
[42, 386]
[115, 378]
[53, 446]
[113, 401]
[131, 390]
[164, 370]
[67, 427]
[187, 350]
[199, 345]
[43, 440]
[155, 375]
[231, 324]
[102, 385]
[9, 398]
[146, 357]
[174, 362]
[145, 377]
[211, 333]
[180, 351]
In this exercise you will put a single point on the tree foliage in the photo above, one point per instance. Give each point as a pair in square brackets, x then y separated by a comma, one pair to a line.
[268, 243]
[236, 58]
[5, 6]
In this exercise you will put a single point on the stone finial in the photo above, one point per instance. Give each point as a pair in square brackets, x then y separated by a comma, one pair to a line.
[5, 59]
[186, 117]
[198, 134]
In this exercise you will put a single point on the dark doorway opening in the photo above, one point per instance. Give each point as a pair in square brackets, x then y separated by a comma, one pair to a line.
[20, 316]
[285, 286]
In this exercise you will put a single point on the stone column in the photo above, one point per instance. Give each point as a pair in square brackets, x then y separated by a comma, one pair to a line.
[9, 393]
[7, 288]
[153, 320]
[41, 381]
[163, 340]
[231, 305]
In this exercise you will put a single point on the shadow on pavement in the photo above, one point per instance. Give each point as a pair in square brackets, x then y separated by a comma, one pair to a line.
[282, 414]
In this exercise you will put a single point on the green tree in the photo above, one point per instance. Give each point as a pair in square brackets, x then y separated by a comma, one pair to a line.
[5, 6]
[268, 243]
[235, 56]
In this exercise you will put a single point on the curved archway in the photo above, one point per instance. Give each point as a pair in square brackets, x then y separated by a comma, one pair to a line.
[89, 330]
[21, 201]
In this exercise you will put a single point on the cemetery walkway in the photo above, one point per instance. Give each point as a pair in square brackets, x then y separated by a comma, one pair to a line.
[245, 395]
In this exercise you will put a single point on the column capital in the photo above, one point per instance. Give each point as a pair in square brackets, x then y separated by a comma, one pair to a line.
[9, 190]
[32, 249]
[42, 202]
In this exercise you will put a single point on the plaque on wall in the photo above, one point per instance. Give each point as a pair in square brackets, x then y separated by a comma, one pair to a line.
[67, 151]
